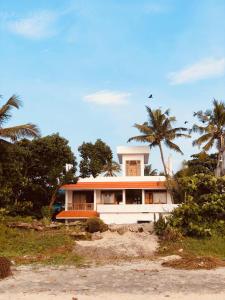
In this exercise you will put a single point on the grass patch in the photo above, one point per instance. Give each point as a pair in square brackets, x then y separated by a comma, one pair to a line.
[212, 247]
[45, 247]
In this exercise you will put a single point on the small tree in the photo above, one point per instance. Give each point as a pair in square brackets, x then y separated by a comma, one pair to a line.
[111, 169]
[149, 171]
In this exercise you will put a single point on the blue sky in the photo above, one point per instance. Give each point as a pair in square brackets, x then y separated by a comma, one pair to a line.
[85, 68]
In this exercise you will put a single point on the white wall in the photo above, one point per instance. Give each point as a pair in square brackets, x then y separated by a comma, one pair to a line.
[130, 214]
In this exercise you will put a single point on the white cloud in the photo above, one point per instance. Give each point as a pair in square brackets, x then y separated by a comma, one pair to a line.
[105, 97]
[207, 68]
[36, 26]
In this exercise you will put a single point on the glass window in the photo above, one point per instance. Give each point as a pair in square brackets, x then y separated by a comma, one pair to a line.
[133, 168]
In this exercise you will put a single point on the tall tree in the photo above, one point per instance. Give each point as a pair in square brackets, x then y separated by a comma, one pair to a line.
[33, 173]
[212, 131]
[15, 132]
[93, 158]
[158, 130]
[111, 168]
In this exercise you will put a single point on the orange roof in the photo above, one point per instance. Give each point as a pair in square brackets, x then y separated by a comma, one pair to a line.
[115, 185]
[77, 214]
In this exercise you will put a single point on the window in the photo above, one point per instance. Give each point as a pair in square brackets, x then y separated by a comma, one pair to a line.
[133, 168]
[133, 196]
[111, 197]
[159, 198]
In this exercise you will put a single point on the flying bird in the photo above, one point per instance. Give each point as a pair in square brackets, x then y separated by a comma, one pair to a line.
[150, 96]
[185, 122]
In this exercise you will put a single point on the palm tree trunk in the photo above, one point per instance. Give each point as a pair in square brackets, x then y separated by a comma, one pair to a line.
[218, 172]
[163, 161]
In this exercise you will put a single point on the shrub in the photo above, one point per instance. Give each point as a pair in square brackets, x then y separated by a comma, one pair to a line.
[5, 265]
[203, 212]
[95, 225]
[160, 226]
[46, 212]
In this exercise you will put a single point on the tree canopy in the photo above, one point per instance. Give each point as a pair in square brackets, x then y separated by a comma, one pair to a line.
[94, 158]
[32, 172]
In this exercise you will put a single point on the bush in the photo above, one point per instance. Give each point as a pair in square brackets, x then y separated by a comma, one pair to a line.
[5, 265]
[203, 212]
[95, 225]
[160, 226]
[46, 212]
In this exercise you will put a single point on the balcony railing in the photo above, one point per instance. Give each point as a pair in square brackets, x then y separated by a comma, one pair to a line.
[83, 206]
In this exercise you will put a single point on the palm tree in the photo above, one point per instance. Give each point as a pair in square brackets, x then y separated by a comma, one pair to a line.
[149, 171]
[159, 130]
[213, 130]
[111, 169]
[15, 132]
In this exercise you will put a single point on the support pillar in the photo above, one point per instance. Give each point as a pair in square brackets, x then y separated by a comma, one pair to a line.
[143, 197]
[124, 197]
[95, 200]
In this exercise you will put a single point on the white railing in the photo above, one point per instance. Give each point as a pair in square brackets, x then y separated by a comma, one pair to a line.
[136, 208]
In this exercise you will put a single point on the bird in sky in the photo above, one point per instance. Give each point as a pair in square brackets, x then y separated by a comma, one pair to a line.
[185, 122]
[150, 96]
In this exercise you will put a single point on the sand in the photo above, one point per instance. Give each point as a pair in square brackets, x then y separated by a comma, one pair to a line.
[135, 280]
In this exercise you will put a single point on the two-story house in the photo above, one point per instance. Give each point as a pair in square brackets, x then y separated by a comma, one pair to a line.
[129, 198]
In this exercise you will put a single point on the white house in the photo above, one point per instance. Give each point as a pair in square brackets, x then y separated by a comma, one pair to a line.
[129, 198]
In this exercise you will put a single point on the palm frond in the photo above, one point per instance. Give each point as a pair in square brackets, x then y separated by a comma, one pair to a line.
[202, 139]
[5, 110]
[142, 138]
[173, 146]
[209, 145]
[16, 132]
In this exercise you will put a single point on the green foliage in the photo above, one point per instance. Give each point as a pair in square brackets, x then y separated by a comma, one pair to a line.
[200, 163]
[160, 226]
[203, 211]
[95, 225]
[32, 171]
[94, 157]
[46, 212]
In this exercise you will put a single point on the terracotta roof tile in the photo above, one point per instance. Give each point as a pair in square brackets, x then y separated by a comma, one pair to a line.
[77, 214]
[115, 185]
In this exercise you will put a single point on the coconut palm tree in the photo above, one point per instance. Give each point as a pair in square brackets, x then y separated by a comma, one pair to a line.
[15, 132]
[111, 169]
[159, 130]
[213, 130]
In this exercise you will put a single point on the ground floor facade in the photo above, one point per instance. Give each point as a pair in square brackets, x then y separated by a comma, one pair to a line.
[116, 201]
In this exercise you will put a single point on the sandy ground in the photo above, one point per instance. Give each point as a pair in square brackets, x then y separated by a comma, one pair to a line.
[134, 280]
[138, 277]
[113, 245]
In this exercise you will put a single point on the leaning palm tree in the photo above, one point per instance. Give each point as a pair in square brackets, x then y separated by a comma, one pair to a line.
[159, 130]
[15, 132]
[213, 130]
[111, 169]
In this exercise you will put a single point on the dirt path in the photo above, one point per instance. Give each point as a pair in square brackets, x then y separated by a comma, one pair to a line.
[125, 281]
